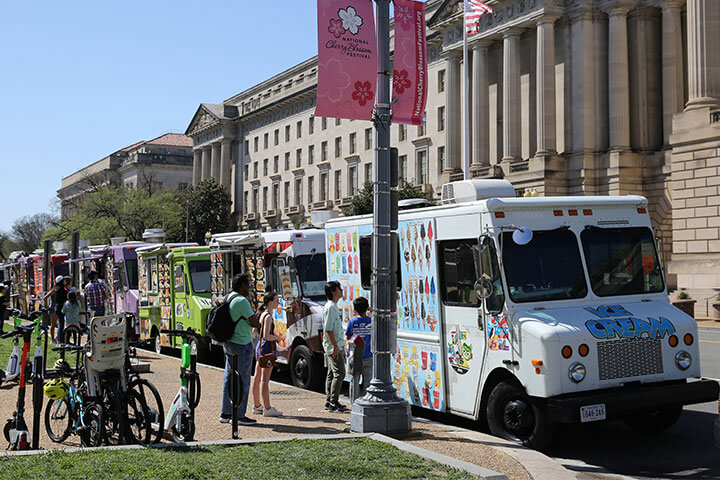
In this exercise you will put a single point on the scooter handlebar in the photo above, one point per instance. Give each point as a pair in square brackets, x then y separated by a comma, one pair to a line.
[181, 333]
[18, 331]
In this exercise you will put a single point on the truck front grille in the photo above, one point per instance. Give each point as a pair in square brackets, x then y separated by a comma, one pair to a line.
[629, 358]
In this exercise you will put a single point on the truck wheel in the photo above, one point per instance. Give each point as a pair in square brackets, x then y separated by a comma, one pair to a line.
[654, 421]
[512, 415]
[305, 369]
[157, 344]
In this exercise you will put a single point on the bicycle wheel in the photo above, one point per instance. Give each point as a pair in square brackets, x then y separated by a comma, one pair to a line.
[137, 418]
[58, 419]
[154, 405]
[92, 427]
[72, 334]
[113, 421]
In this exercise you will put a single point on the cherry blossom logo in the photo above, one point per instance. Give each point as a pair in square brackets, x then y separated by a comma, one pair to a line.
[363, 93]
[401, 81]
[336, 27]
[402, 14]
[351, 21]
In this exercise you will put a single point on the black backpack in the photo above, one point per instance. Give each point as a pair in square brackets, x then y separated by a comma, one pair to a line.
[220, 325]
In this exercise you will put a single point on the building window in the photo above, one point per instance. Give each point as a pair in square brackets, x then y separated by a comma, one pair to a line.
[276, 163]
[298, 191]
[441, 118]
[311, 125]
[441, 81]
[255, 169]
[246, 204]
[368, 138]
[402, 169]
[287, 161]
[352, 180]
[265, 199]
[162, 151]
[298, 157]
[311, 154]
[421, 167]
[265, 140]
[287, 133]
[256, 200]
[337, 122]
[247, 147]
[421, 128]
[182, 186]
[276, 136]
[299, 129]
[338, 183]
[323, 151]
[441, 158]
[402, 132]
[247, 171]
[338, 147]
[286, 199]
[368, 172]
[352, 143]
[311, 188]
[265, 167]
[323, 186]
[255, 144]
[323, 123]
[275, 194]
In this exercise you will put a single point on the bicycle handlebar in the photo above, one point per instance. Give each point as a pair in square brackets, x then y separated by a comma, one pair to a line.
[66, 347]
[181, 333]
[18, 331]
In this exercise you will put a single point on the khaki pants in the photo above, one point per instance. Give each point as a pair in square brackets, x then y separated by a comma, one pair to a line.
[335, 376]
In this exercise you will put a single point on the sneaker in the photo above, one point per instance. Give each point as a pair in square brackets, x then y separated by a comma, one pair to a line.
[258, 410]
[329, 407]
[272, 412]
[246, 421]
[225, 419]
[338, 407]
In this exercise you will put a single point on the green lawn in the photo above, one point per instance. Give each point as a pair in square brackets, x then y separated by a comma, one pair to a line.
[297, 459]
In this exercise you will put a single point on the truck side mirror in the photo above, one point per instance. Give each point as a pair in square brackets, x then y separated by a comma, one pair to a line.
[484, 287]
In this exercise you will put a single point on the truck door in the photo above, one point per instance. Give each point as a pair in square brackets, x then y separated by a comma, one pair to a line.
[463, 327]
[179, 303]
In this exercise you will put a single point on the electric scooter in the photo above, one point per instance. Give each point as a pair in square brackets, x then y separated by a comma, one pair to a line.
[38, 372]
[13, 367]
[15, 430]
[180, 420]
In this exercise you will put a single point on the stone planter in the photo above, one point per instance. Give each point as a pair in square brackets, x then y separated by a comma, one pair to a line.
[687, 306]
[715, 311]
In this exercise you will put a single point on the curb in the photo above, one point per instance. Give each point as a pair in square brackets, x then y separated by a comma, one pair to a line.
[474, 470]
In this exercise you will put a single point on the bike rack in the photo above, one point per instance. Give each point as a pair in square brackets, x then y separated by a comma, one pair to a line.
[236, 392]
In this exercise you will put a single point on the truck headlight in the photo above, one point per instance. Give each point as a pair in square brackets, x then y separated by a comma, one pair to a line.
[576, 372]
[683, 360]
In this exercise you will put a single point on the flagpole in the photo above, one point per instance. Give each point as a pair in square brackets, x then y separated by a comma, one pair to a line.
[466, 108]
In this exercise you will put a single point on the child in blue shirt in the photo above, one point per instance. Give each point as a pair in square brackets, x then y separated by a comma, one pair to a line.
[360, 325]
[71, 309]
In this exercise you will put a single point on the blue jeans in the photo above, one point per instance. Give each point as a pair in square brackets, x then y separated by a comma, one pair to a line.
[98, 311]
[245, 357]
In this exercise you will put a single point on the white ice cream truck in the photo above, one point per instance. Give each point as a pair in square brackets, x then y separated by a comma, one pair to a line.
[528, 312]
[292, 262]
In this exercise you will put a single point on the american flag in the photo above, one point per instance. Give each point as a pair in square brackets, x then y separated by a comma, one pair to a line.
[474, 9]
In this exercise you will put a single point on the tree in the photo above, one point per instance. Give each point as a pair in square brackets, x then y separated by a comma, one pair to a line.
[362, 203]
[28, 231]
[206, 208]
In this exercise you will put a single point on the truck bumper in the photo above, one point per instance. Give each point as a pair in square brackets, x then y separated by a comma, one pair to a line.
[622, 401]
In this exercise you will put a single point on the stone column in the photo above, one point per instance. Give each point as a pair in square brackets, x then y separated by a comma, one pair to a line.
[215, 162]
[618, 79]
[703, 37]
[480, 105]
[511, 95]
[546, 143]
[197, 166]
[206, 163]
[224, 176]
[453, 112]
[672, 65]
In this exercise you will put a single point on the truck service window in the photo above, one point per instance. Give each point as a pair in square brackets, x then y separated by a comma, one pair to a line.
[131, 266]
[458, 272]
[366, 263]
[547, 268]
[200, 275]
[622, 261]
[311, 270]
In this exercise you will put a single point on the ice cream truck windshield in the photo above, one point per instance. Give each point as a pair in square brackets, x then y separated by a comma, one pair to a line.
[311, 272]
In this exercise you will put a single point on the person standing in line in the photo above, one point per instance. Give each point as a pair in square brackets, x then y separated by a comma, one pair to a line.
[362, 365]
[95, 295]
[71, 310]
[4, 297]
[334, 346]
[240, 344]
[261, 381]
[58, 296]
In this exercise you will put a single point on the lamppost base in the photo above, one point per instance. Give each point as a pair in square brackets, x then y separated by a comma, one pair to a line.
[393, 417]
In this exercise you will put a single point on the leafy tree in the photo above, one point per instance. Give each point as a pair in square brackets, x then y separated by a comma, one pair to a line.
[205, 208]
[362, 203]
[28, 231]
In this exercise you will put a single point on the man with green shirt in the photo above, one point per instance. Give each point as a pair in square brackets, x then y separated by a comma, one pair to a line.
[240, 344]
[334, 346]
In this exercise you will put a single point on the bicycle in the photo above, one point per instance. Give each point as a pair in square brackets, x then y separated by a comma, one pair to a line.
[148, 392]
[13, 367]
[180, 419]
[69, 410]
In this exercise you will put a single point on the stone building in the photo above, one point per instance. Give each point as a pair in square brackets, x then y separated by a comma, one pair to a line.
[166, 161]
[568, 97]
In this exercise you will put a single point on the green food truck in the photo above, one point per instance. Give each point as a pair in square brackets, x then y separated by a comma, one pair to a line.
[174, 287]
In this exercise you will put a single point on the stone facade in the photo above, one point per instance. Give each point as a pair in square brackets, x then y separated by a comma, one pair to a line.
[166, 161]
[568, 97]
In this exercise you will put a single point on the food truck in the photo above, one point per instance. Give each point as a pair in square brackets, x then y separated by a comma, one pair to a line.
[292, 263]
[524, 313]
[174, 292]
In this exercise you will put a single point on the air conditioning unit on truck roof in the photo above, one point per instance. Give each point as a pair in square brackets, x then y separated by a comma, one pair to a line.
[472, 190]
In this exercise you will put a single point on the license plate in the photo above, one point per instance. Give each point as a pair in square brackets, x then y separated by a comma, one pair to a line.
[592, 413]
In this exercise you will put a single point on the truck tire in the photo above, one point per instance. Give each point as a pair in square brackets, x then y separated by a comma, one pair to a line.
[512, 415]
[306, 370]
[157, 344]
[654, 421]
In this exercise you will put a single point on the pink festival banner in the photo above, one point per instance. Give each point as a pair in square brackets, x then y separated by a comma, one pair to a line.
[347, 59]
[410, 69]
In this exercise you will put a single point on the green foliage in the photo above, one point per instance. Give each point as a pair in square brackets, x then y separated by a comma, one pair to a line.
[206, 208]
[362, 203]
[683, 295]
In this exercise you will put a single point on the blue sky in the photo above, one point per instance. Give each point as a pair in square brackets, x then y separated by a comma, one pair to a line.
[82, 79]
